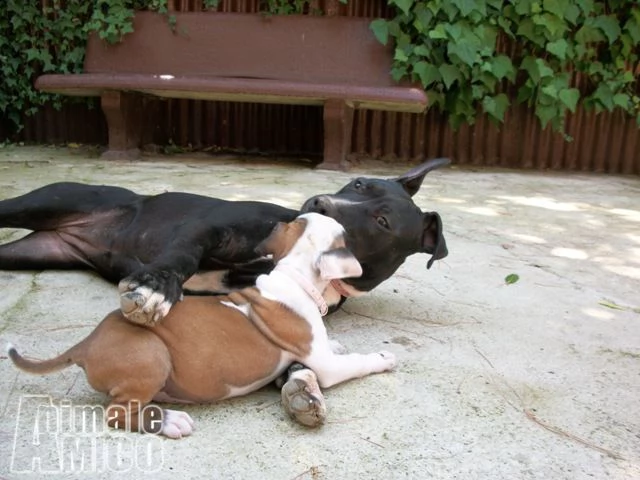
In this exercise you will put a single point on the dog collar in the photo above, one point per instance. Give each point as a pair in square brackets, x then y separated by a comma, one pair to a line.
[308, 287]
[338, 286]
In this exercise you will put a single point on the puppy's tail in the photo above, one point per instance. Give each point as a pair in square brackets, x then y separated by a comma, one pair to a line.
[41, 367]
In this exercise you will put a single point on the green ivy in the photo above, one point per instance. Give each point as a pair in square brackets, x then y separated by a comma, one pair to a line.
[460, 51]
[36, 40]
[289, 7]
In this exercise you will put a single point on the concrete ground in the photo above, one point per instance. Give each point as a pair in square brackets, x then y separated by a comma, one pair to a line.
[535, 379]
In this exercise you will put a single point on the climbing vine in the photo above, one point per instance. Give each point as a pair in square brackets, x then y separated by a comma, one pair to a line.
[40, 36]
[483, 55]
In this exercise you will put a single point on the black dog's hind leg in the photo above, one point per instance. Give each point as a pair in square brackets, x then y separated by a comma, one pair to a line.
[40, 251]
[52, 206]
[58, 214]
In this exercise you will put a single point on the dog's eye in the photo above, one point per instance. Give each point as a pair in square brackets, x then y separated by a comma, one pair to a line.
[357, 184]
[382, 222]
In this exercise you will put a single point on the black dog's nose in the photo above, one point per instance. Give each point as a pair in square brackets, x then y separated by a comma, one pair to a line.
[321, 204]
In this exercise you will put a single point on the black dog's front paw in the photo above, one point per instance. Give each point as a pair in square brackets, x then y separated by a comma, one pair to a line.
[146, 297]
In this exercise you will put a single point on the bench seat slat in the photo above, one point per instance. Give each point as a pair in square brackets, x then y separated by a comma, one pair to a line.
[237, 89]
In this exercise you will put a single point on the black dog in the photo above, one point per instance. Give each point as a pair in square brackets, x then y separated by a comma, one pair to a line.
[154, 244]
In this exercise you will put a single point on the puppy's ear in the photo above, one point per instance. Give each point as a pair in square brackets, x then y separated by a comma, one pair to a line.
[432, 238]
[282, 239]
[338, 263]
[411, 181]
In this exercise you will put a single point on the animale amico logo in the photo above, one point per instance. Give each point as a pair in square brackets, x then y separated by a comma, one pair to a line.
[59, 438]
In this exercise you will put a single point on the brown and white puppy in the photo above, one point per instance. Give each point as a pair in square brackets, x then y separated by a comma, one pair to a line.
[211, 348]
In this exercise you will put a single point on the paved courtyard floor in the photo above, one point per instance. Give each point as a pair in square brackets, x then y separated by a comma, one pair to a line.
[537, 379]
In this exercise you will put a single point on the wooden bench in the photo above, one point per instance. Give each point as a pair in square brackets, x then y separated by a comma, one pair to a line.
[308, 60]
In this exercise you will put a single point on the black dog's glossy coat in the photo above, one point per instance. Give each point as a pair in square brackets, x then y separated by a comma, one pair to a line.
[160, 241]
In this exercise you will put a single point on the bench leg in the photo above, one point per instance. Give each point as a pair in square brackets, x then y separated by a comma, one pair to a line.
[338, 123]
[123, 111]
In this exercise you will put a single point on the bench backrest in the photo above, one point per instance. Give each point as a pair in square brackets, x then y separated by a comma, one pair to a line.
[311, 49]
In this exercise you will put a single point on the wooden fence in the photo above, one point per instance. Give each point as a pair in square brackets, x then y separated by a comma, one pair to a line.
[608, 142]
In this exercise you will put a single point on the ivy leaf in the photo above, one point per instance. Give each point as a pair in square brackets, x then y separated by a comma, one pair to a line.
[496, 4]
[502, 67]
[558, 48]
[571, 13]
[465, 6]
[546, 113]
[552, 25]
[464, 51]
[569, 97]
[423, 17]
[427, 72]
[557, 7]
[621, 100]
[609, 26]
[604, 95]
[496, 106]
[380, 30]
[33, 54]
[454, 30]
[589, 34]
[586, 6]
[449, 74]
[633, 29]
[397, 73]
[435, 98]
[400, 55]
[438, 33]
[423, 51]
[536, 68]
[527, 29]
[511, 278]
[404, 5]
[450, 9]
[550, 90]
[523, 7]
[505, 24]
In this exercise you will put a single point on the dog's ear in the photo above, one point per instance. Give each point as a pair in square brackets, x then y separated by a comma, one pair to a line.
[411, 181]
[432, 239]
[338, 263]
[282, 239]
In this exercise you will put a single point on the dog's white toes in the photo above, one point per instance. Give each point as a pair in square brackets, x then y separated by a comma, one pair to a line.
[176, 424]
[161, 310]
[126, 286]
[388, 360]
[129, 302]
[337, 347]
[144, 306]
[302, 399]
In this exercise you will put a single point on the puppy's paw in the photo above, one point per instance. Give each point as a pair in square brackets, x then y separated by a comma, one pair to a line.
[303, 400]
[386, 361]
[176, 424]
